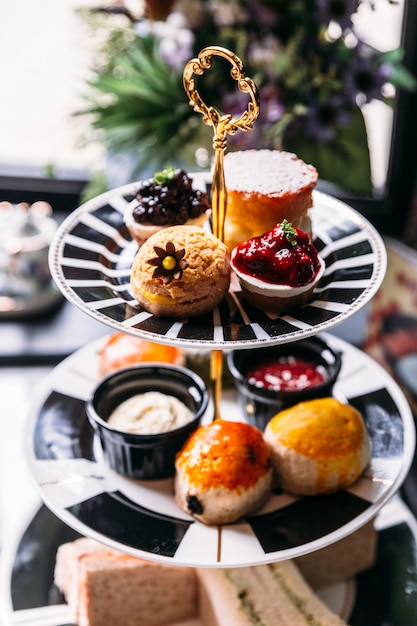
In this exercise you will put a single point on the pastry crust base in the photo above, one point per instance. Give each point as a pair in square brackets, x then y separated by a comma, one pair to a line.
[140, 232]
[277, 305]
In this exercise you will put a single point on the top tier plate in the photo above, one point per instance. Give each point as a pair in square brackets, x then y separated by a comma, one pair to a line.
[92, 254]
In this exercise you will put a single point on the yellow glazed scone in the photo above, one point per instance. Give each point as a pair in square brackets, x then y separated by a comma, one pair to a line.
[319, 446]
[181, 271]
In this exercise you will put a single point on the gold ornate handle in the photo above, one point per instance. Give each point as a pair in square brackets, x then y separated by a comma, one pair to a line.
[222, 124]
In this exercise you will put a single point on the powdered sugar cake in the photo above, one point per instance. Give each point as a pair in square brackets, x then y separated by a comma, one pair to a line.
[264, 187]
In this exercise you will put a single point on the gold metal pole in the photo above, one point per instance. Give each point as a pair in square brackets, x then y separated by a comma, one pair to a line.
[218, 185]
[222, 125]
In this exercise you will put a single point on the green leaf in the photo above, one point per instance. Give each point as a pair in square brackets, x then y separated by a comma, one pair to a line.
[165, 175]
[403, 79]
[289, 232]
[96, 185]
[344, 161]
[401, 76]
[137, 87]
[393, 56]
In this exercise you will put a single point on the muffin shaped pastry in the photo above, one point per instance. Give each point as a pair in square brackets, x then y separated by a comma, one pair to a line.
[181, 272]
[223, 472]
[318, 446]
[279, 270]
[165, 200]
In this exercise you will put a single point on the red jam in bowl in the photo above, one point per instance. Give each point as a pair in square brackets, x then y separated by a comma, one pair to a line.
[283, 256]
[286, 374]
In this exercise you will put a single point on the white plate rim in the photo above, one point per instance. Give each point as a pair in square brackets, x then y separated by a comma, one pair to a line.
[264, 333]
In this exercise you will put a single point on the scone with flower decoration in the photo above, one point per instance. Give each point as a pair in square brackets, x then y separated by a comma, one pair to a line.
[279, 270]
[223, 472]
[167, 199]
[180, 272]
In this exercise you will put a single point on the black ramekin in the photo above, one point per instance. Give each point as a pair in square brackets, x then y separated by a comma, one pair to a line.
[259, 404]
[139, 456]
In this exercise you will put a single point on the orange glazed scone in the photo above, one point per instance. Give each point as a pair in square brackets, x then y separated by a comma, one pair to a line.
[223, 472]
[181, 271]
[121, 350]
[319, 446]
[264, 187]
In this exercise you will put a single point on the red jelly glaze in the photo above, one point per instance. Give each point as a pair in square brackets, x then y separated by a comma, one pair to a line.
[286, 374]
[273, 259]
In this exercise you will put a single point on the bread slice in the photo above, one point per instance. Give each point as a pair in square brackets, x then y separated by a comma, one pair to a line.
[106, 587]
[268, 595]
[67, 565]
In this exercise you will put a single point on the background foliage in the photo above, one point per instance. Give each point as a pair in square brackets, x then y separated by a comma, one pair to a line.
[313, 72]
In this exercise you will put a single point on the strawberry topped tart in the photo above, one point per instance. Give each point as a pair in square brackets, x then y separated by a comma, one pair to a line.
[279, 270]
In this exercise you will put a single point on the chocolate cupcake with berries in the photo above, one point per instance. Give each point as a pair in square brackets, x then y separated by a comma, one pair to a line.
[279, 270]
[167, 199]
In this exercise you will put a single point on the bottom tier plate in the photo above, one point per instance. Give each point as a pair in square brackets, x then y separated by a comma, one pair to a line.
[384, 594]
[142, 518]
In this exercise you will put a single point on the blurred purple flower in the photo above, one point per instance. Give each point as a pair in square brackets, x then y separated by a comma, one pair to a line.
[272, 107]
[365, 75]
[339, 11]
[262, 15]
[271, 110]
[311, 68]
[176, 40]
[234, 103]
[322, 118]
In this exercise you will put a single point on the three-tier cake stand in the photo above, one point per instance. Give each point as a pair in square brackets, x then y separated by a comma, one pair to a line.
[90, 260]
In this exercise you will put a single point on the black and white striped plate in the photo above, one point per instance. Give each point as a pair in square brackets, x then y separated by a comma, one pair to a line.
[142, 518]
[386, 593]
[92, 254]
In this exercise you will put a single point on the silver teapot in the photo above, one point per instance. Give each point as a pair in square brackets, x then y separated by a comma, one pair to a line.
[26, 232]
